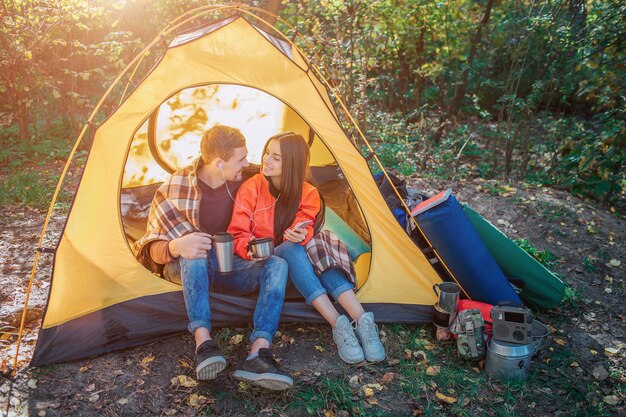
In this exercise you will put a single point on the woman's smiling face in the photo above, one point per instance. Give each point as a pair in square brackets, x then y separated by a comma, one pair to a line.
[272, 160]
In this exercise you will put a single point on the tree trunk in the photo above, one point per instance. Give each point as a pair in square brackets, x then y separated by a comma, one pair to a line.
[419, 80]
[24, 119]
[273, 7]
[460, 92]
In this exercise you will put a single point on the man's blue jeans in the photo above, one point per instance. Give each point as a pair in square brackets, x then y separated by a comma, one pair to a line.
[199, 277]
[301, 273]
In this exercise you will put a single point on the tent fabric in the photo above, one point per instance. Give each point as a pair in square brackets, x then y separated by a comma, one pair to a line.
[94, 268]
[460, 247]
[541, 287]
[147, 319]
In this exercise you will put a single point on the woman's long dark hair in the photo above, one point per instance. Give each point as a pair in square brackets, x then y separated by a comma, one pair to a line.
[295, 157]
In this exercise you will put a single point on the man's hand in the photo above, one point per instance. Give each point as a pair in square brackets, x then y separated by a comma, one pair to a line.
[191, 246]
[295, 235]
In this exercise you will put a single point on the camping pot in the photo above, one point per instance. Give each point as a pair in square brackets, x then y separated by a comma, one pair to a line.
[224, 247]
[262, 248]
[508, 360]
[448, 296]
[539, 331]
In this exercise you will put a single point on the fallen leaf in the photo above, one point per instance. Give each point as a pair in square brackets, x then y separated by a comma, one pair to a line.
[433, 370]
[329, 413]
[236, 339]
[418, 411]
[184, 381]
[608, 290]
[185, 363]
[387, 378]
[93, 398]
[611, 399]
[170, 412]
[465, 402]
[368, 391]
[196, 400]
[593, 352]
[574, 364]
[600, 373]
[372, 401]
[613, 263]
[445, 398]
[122, 401]
[145, 361]
[559, 341]
[430, 346]
[90, 387]
[393, 362]
[83, 369]
[377, 387]
[32, 383]
[611, 351]
[420, 355]
[354, 381]
[321, 349]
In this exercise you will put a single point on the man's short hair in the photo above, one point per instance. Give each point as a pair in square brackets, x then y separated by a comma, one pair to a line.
[220, 142]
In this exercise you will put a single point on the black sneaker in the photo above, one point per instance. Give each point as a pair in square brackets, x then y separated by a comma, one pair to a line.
[209, 361]
[263, 371]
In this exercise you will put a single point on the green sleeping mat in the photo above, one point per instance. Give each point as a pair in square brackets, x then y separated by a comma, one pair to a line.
[542, 287]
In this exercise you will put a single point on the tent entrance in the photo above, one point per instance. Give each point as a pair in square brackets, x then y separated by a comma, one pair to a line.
[170, 139]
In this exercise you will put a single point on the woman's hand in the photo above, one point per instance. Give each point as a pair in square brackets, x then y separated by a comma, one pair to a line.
[295, 235]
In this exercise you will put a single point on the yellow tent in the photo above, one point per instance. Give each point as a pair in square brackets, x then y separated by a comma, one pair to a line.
[230, 72]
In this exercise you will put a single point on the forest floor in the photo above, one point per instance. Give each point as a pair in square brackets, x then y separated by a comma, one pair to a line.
[581, 371]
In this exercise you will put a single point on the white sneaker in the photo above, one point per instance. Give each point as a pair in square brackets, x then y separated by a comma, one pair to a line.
[367, 333]
[347, 345]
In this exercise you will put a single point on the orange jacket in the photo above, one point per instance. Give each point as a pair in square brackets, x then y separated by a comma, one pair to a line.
[254, 197]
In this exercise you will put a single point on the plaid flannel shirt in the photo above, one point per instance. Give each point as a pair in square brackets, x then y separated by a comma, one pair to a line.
[175, 212]
[326, 251]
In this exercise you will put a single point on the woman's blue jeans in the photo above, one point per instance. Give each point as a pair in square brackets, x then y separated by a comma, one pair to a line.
[303, 277]
[200, 277]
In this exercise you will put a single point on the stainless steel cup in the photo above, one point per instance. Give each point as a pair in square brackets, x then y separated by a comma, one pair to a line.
[224, 247]
[262, 248]
[448, 293]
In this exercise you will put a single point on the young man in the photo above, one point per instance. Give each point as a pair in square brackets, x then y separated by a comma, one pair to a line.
[192, 204]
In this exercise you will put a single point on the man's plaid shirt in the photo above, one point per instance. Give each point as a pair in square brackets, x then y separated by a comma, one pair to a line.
[175, 212]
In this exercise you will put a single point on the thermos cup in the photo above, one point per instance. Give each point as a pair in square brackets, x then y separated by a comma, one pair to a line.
[224, 247]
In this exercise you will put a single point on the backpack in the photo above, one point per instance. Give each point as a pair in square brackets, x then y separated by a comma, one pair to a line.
[471, 340]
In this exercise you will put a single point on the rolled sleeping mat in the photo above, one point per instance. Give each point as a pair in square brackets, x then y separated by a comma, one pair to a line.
[541, 286]
[458, 244]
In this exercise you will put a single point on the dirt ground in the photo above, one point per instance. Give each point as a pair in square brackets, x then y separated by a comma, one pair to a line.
[588, 334]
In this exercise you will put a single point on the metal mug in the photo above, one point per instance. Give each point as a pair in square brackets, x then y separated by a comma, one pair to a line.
[224, 248]
[448, 295]
[262, 248]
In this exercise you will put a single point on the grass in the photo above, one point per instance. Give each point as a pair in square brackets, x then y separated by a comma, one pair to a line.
[545, 257]
[30, 169]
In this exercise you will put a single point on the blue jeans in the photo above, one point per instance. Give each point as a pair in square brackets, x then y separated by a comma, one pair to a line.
[199, 277]
[301, 273]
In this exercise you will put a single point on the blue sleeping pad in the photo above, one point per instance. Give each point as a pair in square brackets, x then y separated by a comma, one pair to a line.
[458, 244]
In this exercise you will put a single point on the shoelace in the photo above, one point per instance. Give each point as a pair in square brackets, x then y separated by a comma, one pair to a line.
[371, 331]
[349, 338]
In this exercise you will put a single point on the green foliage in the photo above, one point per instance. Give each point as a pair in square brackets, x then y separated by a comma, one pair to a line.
[544, 98]
[545, 257]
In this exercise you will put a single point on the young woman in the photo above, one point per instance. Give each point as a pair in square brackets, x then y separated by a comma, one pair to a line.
[270, 205]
